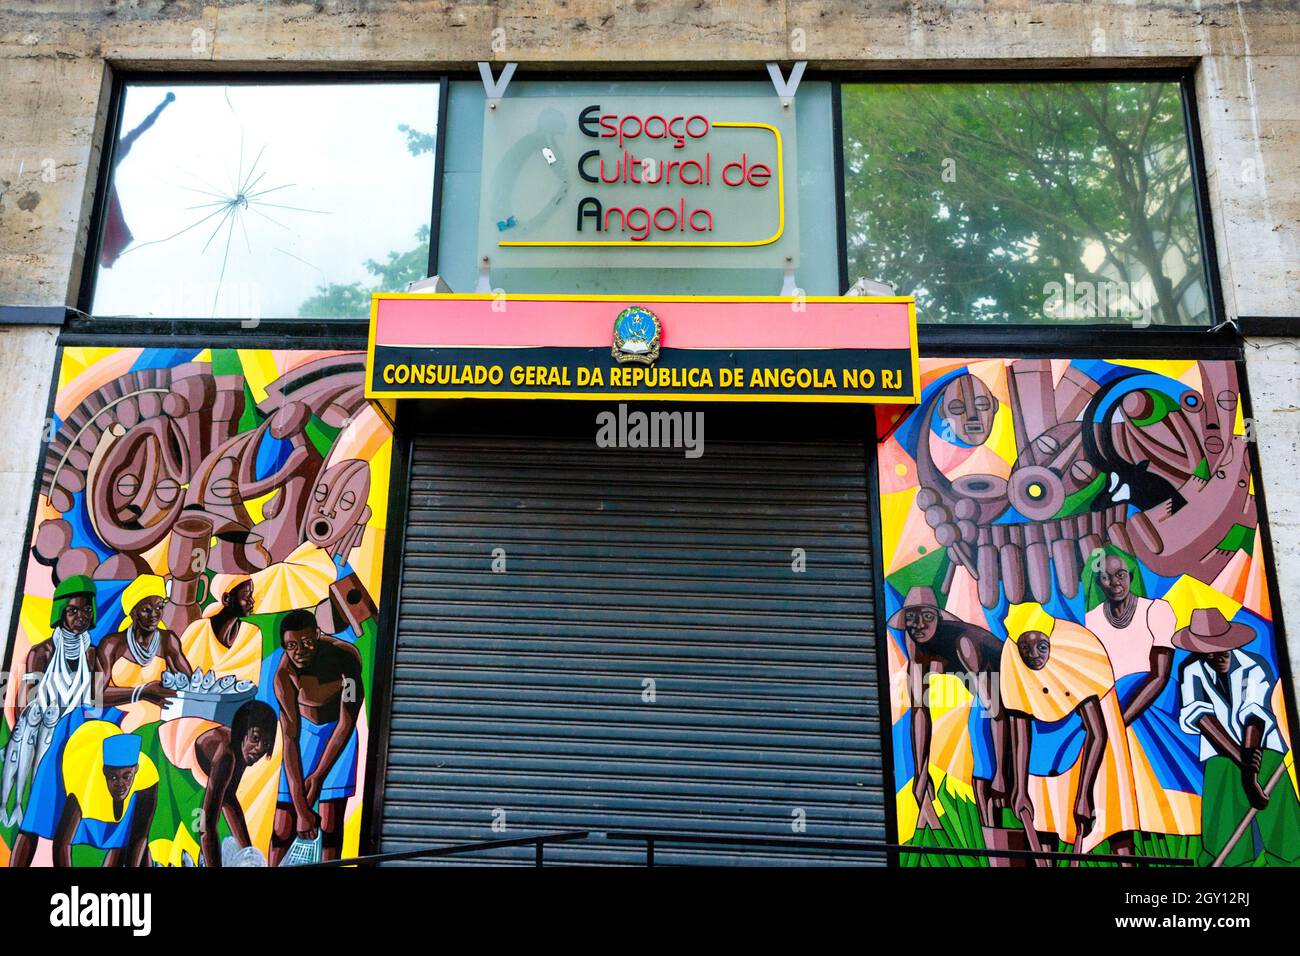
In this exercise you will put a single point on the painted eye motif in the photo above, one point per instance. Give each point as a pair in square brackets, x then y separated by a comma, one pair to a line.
[223, 488]
[347, 500]
[320, 492]
[167, 490]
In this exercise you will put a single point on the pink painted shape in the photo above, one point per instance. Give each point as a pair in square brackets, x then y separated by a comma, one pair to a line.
[581, 323]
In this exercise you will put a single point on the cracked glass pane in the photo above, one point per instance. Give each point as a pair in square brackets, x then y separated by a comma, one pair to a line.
[266, 201]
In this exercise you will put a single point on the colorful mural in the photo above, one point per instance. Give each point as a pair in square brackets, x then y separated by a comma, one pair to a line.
[196, 629]
[1081, 645]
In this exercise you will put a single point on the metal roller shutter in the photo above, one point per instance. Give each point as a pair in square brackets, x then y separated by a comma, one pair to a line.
[523, 691]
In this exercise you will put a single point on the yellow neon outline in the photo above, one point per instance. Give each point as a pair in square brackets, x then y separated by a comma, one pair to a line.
[913, 399]
[780, 226]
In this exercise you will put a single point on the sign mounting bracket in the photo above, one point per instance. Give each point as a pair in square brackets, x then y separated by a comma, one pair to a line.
[785, 88]
[495, 87]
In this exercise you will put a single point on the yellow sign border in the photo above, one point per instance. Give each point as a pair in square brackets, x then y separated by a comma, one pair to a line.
[913, 399]
[662, 243]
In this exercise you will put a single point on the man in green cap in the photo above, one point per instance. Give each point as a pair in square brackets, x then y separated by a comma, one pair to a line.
[62, 671]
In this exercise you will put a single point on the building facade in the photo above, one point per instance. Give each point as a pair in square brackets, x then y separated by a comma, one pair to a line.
[931, 488]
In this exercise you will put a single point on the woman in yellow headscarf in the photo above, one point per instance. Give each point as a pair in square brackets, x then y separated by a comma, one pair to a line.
[134, 659]
[1071, 765]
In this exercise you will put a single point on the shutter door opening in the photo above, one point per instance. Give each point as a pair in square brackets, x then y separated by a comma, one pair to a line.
[631, 574]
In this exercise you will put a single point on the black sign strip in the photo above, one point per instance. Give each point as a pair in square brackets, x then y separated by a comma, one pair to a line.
[879, 375]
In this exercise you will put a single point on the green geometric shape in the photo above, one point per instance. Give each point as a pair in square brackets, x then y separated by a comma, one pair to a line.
[1238, 538]
[927, 572]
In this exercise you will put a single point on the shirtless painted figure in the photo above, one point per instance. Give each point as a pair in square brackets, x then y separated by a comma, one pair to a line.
[318, 686]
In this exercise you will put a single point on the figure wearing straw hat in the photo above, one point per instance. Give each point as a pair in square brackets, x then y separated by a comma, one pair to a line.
[1225, 692]
[937, 642]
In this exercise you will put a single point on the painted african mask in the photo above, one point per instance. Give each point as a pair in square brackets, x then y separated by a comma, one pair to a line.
[968, 407]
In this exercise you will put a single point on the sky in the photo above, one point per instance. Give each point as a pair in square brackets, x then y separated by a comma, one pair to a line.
[332, 161]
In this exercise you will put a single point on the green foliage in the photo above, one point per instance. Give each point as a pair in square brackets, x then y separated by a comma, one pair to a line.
[976, 196]
[961, 828]
[352, 300]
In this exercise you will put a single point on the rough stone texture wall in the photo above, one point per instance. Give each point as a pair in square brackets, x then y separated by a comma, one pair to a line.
[53, 83]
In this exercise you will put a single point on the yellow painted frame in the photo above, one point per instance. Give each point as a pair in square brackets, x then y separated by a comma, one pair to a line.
[661, 243]
[913, 399]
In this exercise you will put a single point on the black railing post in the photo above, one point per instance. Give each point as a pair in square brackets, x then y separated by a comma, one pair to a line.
[650, 851]
[540, 844]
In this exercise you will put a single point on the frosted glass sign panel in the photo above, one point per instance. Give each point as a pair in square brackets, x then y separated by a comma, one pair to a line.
[275, 201]
[639, 181]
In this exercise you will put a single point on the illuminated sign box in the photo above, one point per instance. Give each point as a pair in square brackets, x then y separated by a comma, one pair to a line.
[639, 181]
[667, 348]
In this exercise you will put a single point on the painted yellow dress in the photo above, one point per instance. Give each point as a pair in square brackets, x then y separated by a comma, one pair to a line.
[127, 673]
[1077, 669]
[83, 777]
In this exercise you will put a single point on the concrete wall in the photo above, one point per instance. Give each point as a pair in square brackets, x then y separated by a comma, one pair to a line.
[53, 83]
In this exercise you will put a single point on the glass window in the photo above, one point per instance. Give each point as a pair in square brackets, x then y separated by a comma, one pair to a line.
[1026, 202]
[813, 242]
[266, 201]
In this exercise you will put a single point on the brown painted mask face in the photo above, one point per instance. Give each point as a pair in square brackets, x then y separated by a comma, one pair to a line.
[137, 490]
[968, 407]
[255, 746]
[78, 613]
[337, 502]
[300, 647]
[1035, 649]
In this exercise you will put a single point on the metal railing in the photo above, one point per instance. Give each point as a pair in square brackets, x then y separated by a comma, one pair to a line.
[539, 841]
[653, 839]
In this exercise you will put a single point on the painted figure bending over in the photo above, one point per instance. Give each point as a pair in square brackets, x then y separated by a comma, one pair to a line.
[112, 793]
[1072, 778]
[937, 642]
[1226, 695]
[318, 687]
[223, 754]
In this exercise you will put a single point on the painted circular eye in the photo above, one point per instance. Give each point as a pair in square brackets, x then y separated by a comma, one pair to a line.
[222, 488]
[128, 485]
[167, 490]
[1034, 491]
[347, 500]
[1191, 401]
[319, 493]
